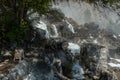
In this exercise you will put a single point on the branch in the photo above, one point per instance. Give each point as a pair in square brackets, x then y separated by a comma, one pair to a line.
[62, 76]
[5, 6]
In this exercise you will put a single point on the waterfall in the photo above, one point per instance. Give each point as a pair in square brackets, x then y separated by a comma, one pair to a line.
[88, 38]
[85, 13]
[70, 27]
[43, 26]
[55, 31]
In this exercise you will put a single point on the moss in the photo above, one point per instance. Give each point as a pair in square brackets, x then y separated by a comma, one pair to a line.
[67, 69]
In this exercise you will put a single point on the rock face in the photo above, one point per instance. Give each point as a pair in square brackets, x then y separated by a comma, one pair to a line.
[77, 71]
[103, 58]
[66, 50]
[30, 71]
[19, 72]
[42, 71]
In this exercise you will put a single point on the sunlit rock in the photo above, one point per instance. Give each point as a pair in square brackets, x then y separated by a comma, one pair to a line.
[7, 53]
[103, 58]
[95, 41]
[74, 48]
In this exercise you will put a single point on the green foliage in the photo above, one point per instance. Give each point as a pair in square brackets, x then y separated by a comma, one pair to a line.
[14, 23]
[37, 5]
[13, 16]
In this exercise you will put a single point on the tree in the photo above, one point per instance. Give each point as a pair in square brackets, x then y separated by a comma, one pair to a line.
[20, 7]
[13, 17]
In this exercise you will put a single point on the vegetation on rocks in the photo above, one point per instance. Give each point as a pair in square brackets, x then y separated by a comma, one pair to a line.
[14, 22]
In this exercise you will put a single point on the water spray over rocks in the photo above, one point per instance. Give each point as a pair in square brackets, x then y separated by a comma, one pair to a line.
[63, 49]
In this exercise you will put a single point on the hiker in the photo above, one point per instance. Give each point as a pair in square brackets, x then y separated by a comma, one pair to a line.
[17, 55]
[21, 51]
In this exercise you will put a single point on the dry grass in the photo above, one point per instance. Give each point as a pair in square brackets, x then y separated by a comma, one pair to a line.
[4, 68]
[118, 74]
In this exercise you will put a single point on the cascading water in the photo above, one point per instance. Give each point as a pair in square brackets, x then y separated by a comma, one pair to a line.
[85, 13]
[70, 27]
[66, 35]
[55, 31]
[43, 26]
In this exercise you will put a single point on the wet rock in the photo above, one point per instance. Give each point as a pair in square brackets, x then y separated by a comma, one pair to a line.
[67, 68]
[7, 54]
[62, 56]
[1, 76]
[90, 53]
[35, 60]
[57, 36]
[55, 15]
[42, 71]
[19, 71]
[77, 71]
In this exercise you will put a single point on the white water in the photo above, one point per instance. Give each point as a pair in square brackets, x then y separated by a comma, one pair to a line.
[114, 65]
[70, 27]
[115, 36]
[117, 60]
[84, 13]
[55, 31]
[91, 37]
[74, 48]
[95, 41]
[43, 26]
